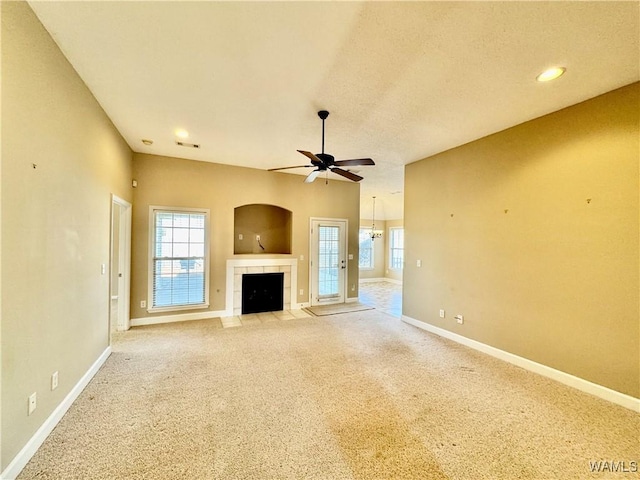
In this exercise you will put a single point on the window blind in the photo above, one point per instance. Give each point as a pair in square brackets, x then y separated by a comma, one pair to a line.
[179, 258]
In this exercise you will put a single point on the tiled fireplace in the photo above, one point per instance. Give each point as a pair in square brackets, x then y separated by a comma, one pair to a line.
[238, 267]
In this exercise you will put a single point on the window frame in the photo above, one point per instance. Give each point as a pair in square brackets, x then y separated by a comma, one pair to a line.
[393, 248]
[367, 230]
[153, 210]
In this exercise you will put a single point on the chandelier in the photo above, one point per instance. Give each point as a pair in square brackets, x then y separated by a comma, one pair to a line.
[374, 233]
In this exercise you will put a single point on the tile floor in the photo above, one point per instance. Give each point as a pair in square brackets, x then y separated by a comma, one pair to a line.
[384, 296]
[258, 318]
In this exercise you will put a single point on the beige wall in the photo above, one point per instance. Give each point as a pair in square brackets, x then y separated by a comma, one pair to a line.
[532, 235]
[379, 248]
[165, 181]
[55, 224]
[381, 251]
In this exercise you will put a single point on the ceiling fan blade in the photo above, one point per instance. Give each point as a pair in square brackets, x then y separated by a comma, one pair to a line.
[347, 174]
[354, 161]
[285, 168]
[312, 176]
[315, 160]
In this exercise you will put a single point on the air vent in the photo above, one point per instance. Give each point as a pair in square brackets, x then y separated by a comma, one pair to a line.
[185, 144]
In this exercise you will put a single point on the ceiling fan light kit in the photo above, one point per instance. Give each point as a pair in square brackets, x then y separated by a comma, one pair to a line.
[323, 162]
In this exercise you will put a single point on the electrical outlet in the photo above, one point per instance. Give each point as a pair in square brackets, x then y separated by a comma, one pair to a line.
[54, 380]
[32, 403]
[240, 236]
[258, 237]
[418, 263]
[301, 291]
[353, 287]
[143, 304]
[441, 313]
[460, 319]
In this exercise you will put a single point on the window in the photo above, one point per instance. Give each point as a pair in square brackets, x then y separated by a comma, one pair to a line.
[179, 263]
[366, 249]
[328, 260]
[396, 257]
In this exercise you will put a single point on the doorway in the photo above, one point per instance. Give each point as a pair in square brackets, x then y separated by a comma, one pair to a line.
[120, 265]
[328, 271]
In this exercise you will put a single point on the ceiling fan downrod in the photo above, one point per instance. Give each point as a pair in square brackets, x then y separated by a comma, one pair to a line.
[323, 162]
[323, 114]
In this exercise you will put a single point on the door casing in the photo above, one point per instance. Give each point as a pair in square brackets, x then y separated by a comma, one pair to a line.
[123, 264]
[343, 264]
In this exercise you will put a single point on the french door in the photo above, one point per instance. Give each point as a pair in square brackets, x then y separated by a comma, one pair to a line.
[328, 261]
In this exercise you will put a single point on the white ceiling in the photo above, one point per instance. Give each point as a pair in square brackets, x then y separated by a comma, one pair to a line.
[402, 80]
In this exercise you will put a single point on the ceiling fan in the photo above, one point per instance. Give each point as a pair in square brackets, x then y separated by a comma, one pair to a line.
[324, 162]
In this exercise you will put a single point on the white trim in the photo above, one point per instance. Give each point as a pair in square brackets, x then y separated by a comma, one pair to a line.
[578, 383]
[124, 256]
[178, 308]
[22, 458]
[313, 250]
[351, 300]
[181, 317]
[124, 307]
[150, 262]
[260, 262]
[391, 248]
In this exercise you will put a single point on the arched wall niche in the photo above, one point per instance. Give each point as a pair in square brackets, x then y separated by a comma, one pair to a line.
[261, 228]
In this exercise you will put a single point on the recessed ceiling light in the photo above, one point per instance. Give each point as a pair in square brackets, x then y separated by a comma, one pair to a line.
[551, 74]
[180, 133]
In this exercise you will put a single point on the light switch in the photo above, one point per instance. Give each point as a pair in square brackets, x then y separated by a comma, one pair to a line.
[351, 256]
[418, 263]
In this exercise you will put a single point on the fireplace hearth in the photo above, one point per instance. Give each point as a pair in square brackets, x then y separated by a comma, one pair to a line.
[262, 292]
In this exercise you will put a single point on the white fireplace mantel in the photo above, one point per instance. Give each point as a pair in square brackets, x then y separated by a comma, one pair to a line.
[260, 265]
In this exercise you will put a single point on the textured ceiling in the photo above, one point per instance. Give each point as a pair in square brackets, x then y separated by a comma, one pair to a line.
[402, 80]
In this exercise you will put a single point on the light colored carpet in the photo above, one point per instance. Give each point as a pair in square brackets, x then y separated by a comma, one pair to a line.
[324, 310]
[355, 396]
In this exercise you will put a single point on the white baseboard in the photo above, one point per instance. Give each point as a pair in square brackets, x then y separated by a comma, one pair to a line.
[578, 383]
[22, 458]
[181, 317]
